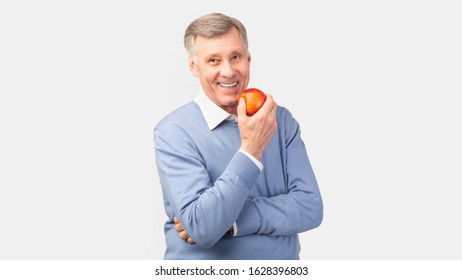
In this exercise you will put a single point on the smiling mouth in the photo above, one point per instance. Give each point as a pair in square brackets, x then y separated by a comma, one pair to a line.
[227, 86]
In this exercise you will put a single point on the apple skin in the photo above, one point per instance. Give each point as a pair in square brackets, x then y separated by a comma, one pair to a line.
[254, 99]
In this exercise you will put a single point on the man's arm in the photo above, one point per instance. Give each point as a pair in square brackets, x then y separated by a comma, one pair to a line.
[206, 210]
[300, 209]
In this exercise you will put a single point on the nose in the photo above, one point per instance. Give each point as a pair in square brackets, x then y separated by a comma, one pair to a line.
[227, 69]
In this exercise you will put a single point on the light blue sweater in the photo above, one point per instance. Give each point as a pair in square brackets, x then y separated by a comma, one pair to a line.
[209, 185]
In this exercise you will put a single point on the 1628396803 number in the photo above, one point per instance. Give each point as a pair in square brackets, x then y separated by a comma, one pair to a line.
[269, 270]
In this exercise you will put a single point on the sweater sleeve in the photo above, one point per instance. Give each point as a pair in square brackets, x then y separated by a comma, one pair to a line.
[298, 210]
[206, 209]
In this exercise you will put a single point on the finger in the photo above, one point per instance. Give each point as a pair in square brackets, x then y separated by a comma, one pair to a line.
[241, 109]
[275, 105]
[270, 102]
[184, 235]
[175, 220]
[270, 107]
[269, 98]
[179, 227]
[190, 241]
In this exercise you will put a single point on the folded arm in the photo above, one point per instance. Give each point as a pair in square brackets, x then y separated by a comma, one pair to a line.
[206, 210]
[298, 210]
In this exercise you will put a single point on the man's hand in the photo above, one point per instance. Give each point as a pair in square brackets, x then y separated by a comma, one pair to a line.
[257, 130]
[183, 234]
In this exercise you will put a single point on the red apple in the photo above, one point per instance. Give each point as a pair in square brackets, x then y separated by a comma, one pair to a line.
[254, 99]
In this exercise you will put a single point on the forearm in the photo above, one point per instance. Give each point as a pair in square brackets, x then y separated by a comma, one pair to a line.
[206, 210]
[300, 207]
[285, 214]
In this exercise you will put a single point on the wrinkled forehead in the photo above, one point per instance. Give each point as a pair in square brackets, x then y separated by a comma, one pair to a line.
[227, 43]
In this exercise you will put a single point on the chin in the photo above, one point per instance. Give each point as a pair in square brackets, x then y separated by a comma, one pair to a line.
[229, 102]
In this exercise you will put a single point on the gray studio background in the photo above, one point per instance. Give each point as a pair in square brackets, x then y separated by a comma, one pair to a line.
[375, 85]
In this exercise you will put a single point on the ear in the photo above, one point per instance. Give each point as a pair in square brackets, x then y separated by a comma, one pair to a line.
[249, 58]
[193, 66]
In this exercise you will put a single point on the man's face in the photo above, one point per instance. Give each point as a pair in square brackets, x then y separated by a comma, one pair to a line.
[222, 65]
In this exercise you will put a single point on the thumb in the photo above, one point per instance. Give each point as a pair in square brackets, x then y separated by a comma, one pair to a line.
[241, 108]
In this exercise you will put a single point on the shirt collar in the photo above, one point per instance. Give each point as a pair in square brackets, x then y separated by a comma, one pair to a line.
[213, 114]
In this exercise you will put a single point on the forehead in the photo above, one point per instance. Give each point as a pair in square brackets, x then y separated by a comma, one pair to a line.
[227, 43]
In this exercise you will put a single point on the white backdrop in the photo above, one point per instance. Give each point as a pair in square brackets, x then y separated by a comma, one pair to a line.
[376, 87]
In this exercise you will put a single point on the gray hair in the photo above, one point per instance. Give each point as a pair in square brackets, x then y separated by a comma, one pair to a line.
[209, 26]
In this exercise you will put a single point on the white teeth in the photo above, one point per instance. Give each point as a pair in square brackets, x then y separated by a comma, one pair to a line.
[229, 85]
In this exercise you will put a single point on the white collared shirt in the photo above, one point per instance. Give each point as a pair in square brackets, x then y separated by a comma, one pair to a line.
[213, 114]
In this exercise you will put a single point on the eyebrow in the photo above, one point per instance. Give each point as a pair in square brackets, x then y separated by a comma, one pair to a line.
[239, 50]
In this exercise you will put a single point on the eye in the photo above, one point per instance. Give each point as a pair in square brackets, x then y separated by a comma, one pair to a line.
[236, 57]
[213, 60]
